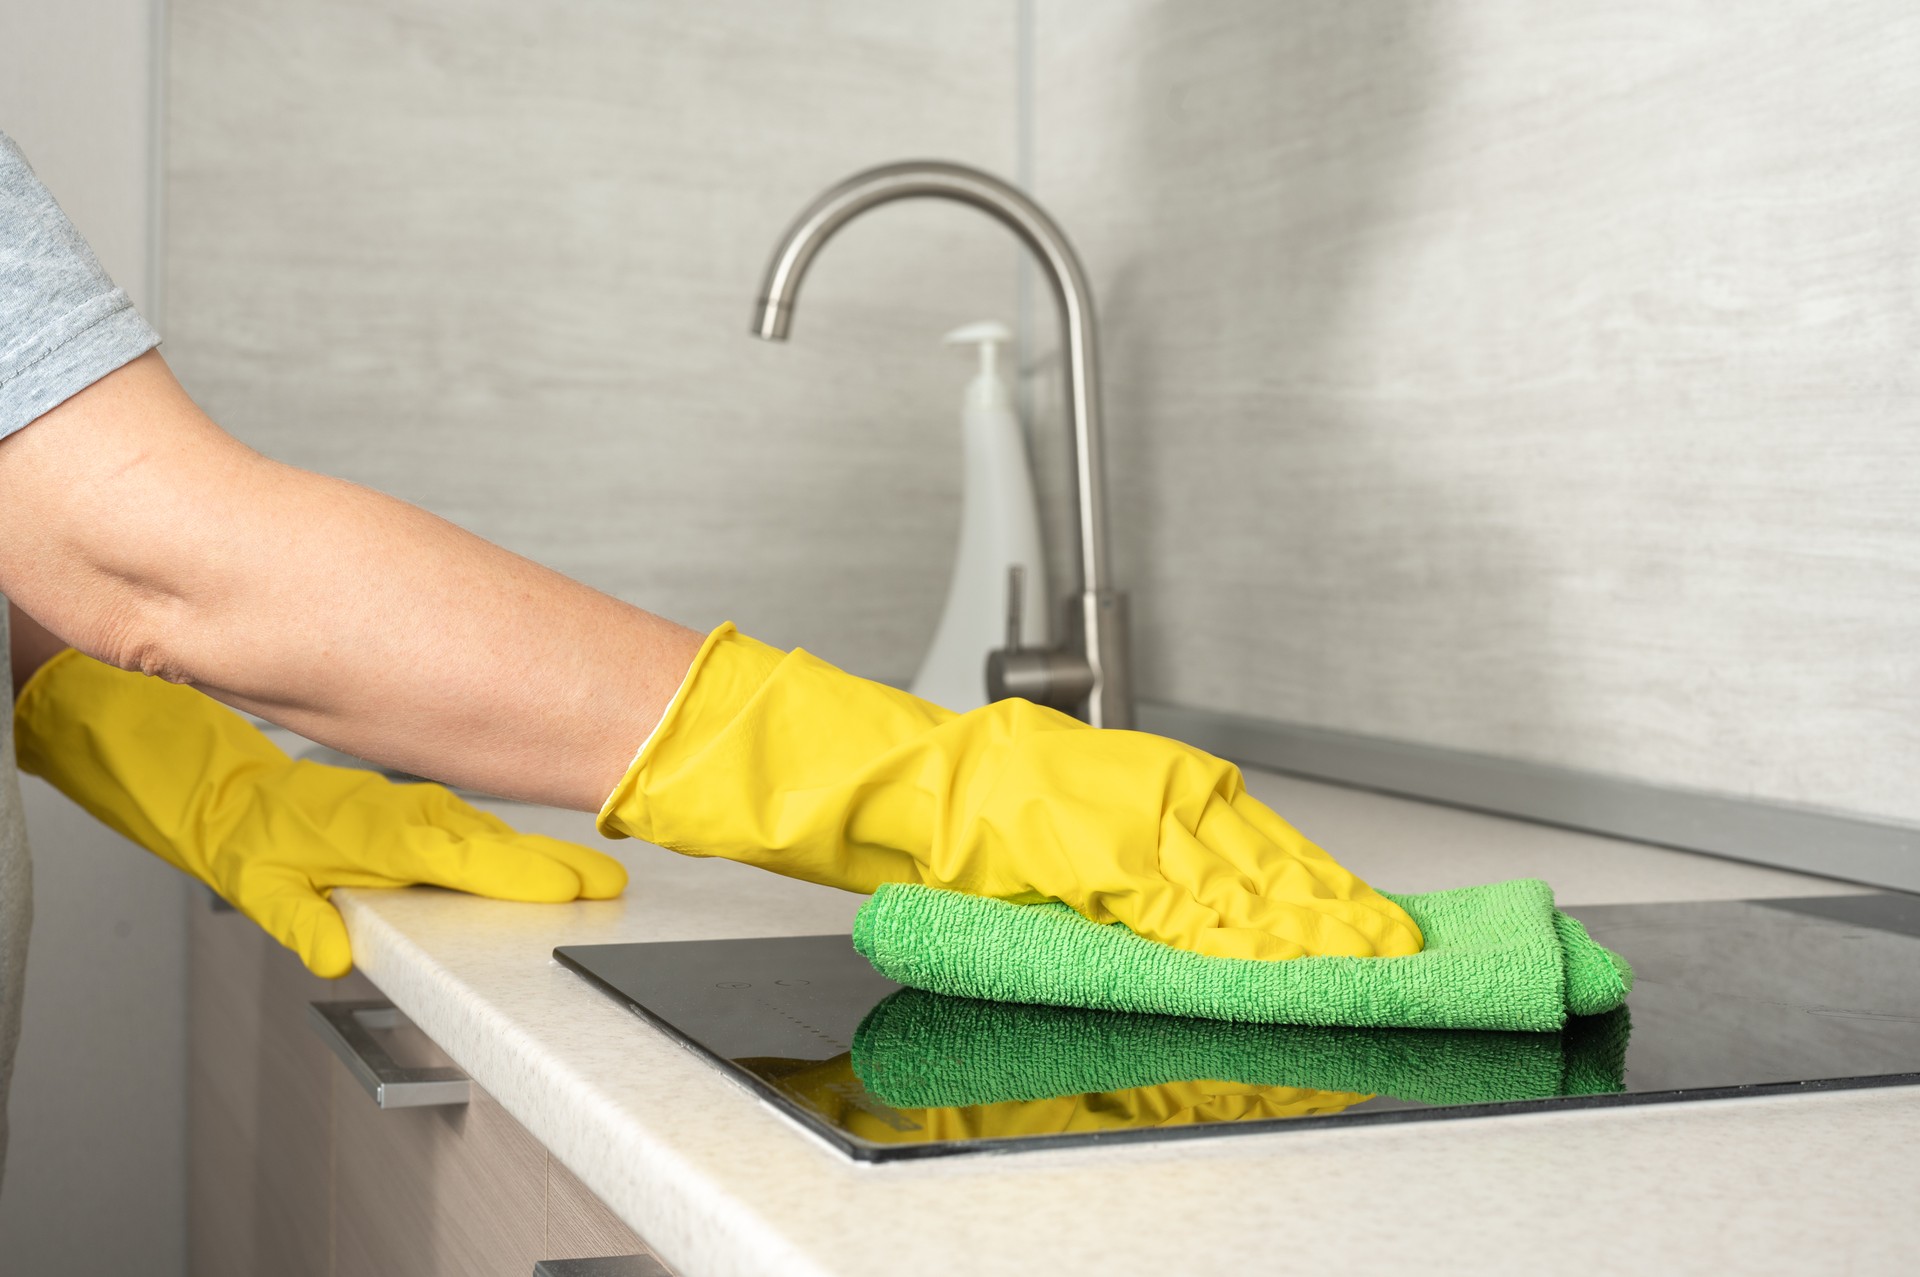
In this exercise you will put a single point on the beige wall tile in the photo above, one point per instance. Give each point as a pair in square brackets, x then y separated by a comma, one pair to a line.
[1530, 380]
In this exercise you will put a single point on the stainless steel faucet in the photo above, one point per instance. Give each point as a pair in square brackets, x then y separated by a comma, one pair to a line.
[1086, 674]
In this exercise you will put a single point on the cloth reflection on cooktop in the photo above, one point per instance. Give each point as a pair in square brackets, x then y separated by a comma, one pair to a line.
[1732, 998]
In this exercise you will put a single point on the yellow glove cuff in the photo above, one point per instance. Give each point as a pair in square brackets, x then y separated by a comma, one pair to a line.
[726, 672]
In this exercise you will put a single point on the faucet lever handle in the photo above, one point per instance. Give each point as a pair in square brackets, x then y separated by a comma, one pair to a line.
[1016, 600]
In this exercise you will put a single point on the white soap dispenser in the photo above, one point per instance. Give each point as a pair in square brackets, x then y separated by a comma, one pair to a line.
[999, 531]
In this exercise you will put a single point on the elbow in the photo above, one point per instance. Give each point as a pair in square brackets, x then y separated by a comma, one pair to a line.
[143, 630]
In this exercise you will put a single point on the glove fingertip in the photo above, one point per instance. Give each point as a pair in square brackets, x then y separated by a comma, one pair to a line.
[323, 945]
[601, 878]
[331, 966]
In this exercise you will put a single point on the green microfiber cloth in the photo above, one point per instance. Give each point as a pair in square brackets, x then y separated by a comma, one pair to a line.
[1496, 957]
[927, 1050]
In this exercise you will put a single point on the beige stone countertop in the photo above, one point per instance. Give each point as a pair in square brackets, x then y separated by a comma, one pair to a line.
[719, 1183]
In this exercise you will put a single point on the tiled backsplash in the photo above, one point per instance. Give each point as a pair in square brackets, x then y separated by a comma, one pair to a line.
[1531, 380]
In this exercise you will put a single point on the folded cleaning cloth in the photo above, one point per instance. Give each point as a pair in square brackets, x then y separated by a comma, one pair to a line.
[920, 1050]
[1496, 957]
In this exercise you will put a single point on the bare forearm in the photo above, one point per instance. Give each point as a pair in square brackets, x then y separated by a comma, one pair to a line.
[346, 615]
[394, 635]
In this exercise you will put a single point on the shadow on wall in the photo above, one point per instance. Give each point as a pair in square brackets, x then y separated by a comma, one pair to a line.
[1237, 196]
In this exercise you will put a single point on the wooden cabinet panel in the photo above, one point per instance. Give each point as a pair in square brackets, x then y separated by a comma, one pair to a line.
[580, 1225]
[293, 1171]
[458, 1190]
[257, 1146]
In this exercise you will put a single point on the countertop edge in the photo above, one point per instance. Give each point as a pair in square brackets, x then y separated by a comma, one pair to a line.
[680, 1212]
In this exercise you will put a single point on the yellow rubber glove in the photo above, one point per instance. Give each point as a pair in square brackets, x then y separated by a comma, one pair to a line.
[785, 762]
[195, 783]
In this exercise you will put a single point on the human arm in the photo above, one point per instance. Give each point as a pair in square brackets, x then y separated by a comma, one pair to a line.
[159, 543]
[194, 783]
[135, 529]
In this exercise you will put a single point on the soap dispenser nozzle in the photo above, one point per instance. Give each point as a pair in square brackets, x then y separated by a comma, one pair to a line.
[989, 335]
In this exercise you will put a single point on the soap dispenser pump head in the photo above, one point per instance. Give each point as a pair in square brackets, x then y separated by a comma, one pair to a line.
[990, 334]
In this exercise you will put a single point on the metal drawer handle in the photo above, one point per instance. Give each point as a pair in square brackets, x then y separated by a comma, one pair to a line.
[344, 1027]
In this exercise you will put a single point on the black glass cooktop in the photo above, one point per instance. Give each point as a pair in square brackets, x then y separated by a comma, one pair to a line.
[1733, 998]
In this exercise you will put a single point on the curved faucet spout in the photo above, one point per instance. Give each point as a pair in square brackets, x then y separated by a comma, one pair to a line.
[932, 179]
[1098, 673]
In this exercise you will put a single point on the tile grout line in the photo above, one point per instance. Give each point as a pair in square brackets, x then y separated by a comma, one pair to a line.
[158, 71]
[1023, 177]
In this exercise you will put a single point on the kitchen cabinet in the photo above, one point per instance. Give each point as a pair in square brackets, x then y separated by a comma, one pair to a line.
[294, 1170]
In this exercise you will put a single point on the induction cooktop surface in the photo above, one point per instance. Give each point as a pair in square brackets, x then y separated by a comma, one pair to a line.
[1732, 998]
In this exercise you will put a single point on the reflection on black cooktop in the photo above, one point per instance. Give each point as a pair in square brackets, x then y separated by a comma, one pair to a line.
[1733, 998]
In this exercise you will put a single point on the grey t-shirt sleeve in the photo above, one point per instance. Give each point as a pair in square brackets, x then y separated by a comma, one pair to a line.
[63, 324]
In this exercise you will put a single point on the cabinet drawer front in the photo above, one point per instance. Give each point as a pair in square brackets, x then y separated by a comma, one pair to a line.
[257, 1123]
[459, 1191]
[579, 1225]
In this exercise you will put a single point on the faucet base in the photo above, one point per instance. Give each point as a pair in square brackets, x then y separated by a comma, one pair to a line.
[1085, 676]
[1099, 627]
